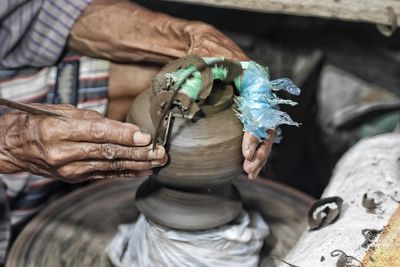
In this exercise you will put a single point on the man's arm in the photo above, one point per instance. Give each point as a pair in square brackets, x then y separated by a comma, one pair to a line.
[120, 30]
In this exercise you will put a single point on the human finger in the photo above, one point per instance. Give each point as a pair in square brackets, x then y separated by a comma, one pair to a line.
[82, 170]
[107, 131]
[260, 158]
[257, 169]
[254, 166]
[250, 166]
[66, 152]
[249, 145]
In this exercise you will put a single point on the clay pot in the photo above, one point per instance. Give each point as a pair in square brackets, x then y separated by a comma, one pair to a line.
[202, 153]
[203, 139]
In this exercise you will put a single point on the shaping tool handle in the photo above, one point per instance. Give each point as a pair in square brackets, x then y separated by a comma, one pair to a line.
[26, 108]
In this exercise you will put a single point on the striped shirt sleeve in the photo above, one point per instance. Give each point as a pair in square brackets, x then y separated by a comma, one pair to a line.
[35, 32]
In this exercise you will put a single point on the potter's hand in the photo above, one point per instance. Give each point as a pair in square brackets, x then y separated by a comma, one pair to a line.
[122, 31]
[207, 41]
[80, 146]
[255, 153]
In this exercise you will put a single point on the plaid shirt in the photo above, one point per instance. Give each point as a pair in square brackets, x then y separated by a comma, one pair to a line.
[34, 32]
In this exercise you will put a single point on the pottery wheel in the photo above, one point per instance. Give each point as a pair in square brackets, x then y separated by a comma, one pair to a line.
[75, 230]
[188, 210]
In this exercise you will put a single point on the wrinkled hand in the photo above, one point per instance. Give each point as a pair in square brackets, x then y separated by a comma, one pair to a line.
[123, 31]
[80, 146]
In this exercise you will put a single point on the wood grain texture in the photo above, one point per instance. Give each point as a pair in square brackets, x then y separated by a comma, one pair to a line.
[75, 230]
[372, 11]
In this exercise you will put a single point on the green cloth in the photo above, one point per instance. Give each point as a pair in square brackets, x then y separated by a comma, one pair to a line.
[192, 86]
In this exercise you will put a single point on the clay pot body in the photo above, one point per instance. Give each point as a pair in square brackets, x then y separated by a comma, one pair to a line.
[203, 140]
[203, 153]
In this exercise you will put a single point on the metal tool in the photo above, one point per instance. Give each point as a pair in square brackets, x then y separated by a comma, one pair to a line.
[165, 112]
[27, 108]
[159, 85]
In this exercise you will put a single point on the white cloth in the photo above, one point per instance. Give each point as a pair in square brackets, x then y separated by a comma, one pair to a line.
[147, 244]
[372, 166]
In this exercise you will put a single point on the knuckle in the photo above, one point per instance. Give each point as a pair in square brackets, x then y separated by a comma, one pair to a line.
[39, 135]
[71, 174]
[65, 172]
[47, 130]
[132, 153]
[204, 27]
[139, 153]
[109, 151]
[53, 157]
[98, 129]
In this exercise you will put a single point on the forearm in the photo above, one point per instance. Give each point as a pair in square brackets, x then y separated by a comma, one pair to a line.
[122, 31]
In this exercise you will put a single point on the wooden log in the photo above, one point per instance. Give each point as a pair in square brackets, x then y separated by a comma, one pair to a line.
[373, 11]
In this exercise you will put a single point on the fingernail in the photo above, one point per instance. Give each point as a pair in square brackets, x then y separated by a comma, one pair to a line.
[158, 153]
[157, 163]
[140, 138]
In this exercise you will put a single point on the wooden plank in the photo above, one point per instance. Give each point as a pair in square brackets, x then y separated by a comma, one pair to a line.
[372, 11]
